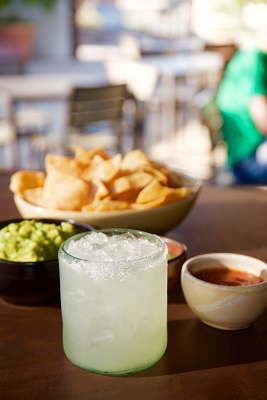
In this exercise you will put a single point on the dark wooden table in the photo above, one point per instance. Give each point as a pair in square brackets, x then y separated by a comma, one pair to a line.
[201, 363]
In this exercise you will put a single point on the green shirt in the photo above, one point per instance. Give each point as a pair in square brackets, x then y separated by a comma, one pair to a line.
[245, 76]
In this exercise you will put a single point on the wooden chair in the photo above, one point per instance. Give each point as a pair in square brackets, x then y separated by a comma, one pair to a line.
[142, 80]
[205, 101]
[30, 123]
[8, 145]
[88, 106]
[210, 117]
[95, 118]
[18, 125]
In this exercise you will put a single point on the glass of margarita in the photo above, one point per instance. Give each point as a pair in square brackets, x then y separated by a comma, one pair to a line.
[113, 285]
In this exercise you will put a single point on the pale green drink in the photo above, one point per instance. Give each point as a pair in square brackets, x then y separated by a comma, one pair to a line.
[114, 311]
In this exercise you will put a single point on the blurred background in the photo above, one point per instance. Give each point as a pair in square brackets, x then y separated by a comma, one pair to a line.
[170, 56]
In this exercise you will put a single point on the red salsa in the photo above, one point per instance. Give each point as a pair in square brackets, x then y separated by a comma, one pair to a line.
[227, 277]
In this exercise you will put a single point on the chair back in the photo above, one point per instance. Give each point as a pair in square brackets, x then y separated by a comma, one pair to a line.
[95, 104]
[210, 116]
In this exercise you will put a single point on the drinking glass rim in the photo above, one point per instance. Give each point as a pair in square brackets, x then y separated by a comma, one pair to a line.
[155, 238]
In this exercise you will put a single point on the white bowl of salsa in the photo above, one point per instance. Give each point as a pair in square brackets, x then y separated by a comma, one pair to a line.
[226, 291]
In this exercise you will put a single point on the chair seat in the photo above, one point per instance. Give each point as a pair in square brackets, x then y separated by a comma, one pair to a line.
[30, 120]
[45, 143]
[95, 119]
[18, 124]
[7, 133]
[8, 145]
[91, 140]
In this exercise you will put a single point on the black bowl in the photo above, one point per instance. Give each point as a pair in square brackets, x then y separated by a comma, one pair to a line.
[178, 252]
[33, 283]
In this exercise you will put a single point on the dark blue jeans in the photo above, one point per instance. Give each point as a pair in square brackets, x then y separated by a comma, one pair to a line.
[250, 171]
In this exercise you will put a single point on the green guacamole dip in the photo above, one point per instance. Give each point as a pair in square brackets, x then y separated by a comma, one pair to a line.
[31, 240]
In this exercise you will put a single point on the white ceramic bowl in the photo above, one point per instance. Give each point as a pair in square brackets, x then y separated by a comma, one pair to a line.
[156, 220]
[220, 306]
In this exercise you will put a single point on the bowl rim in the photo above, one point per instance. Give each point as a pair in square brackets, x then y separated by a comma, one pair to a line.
[215, 256]
[181, 244]
[196, 187]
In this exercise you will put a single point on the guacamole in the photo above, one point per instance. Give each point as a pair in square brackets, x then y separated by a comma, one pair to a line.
[31, 240]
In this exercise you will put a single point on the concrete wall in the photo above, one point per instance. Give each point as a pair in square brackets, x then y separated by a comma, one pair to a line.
[54, 36]
[54, 32]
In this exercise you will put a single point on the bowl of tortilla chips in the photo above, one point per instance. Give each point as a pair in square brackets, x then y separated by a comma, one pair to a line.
[129, 191]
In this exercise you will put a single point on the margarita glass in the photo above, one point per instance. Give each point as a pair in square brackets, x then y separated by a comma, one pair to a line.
[113, 285]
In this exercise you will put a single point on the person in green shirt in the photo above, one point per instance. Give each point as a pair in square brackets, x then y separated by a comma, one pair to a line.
[242, 103]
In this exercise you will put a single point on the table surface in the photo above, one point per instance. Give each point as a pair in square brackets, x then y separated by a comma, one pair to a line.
[50, 82]
[47, 86]
[180, 65]
[200, 363]
[150, 45]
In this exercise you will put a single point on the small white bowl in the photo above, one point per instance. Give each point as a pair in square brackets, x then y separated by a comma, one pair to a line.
[221, 306]
[157, 220]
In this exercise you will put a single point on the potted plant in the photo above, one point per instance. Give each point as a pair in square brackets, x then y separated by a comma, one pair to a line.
[17, 31]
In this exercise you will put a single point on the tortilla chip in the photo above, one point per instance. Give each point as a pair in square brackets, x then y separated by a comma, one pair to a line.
[134, 159]
[151, 192]
[66, 165]
[94, 181]
[136, 180]
[126, 188]
[157, 173]
[85, 157]
[155, 192]
[98, 191]
[64, 192]
[173, 179]
[151, 204]
[105, 171]
[34, 196]
[23, 180]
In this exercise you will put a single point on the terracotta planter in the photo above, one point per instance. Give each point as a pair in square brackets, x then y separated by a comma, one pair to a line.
[18, 39]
